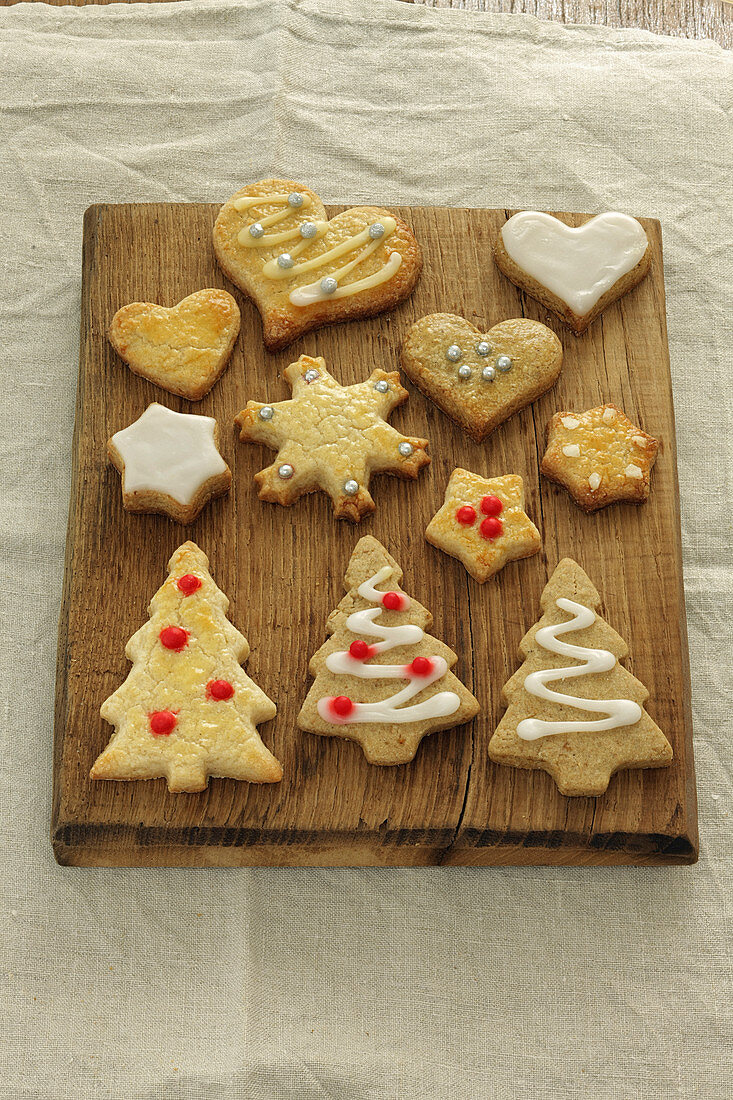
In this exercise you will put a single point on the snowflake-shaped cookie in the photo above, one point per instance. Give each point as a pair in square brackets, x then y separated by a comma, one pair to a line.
[169, 463]
[599, 456]
[331, 437]
[483, 523]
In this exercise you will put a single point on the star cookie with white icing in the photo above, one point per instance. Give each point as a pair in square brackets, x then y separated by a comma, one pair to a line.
[600, 456]
[302, 270]
[483, 523]
[170, 463]
[574, 271]
[331, 437]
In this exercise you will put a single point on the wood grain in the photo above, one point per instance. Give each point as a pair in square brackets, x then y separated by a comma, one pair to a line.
[684, 18]
[283, 569]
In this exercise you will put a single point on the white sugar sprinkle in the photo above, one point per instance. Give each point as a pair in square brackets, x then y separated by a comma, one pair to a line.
[608, 416]
[570, 422]
[572, 450]
[594, 481]
[633, 471]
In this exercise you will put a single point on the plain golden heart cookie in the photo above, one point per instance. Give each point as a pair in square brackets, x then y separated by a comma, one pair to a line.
[480, 379]
[183, 349]
[275, 242]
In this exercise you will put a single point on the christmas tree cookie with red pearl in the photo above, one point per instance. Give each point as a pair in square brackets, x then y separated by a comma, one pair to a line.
[187, 710]
[380, 679]
[600, 456]
[483, 523]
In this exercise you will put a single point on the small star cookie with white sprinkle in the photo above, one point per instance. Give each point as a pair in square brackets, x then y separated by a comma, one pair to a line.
[483, 523]
[331, 437]
[600, 456]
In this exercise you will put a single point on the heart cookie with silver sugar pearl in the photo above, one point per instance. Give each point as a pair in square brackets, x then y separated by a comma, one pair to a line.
[274, 240]
[480, 379]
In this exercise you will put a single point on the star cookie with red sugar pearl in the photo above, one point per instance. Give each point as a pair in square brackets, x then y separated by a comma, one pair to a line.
[483, 523]
[600, 456]
[331, 437]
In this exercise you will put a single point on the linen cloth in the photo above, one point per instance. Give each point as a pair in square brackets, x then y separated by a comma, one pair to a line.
[354, 984]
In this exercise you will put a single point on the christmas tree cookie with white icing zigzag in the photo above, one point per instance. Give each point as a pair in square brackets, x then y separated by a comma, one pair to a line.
[380, 679]
[572, 709]
[187, 710]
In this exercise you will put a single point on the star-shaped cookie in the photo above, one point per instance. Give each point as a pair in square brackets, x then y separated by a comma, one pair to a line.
[331, 437]
[599, 456]
[483, 523]
[169, 463]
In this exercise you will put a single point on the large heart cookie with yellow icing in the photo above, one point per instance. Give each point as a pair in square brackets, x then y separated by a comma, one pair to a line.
[275, 242]
[480, 379]
[184, 348]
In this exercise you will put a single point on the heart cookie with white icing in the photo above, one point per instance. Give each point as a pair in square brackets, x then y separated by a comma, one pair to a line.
[183, 349]
[274, 240]
[575, 272]
[480, 379]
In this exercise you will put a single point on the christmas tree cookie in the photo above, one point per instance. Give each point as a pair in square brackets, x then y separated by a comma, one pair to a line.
[187, 710]
[332, 437]
[378, 644]
[572, 709]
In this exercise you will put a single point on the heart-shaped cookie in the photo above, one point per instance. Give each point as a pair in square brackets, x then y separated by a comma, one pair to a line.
[182, 349]
[274, 241]
[480, 379]
[575, 272]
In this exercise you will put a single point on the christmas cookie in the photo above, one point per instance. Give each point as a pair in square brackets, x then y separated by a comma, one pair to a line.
[187, 710]
[169, 463]
[380, 680]
[483, 523]
[275, 242]
[477, 378]
[572, 709]
[183, 349]
[574, 272]
[599, 456]
[331, 437]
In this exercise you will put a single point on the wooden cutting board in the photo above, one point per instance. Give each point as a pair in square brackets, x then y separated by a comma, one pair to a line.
[282, 569]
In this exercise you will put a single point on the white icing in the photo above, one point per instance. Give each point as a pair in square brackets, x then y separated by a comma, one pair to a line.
[633, 471]
[570, 422]
[619, 712]
[389, 710]
[312, 292]
[594, 481]
[577, 265]
[572, 450]
[168, 452]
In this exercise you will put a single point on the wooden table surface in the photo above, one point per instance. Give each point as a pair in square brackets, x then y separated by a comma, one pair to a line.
[684, 18]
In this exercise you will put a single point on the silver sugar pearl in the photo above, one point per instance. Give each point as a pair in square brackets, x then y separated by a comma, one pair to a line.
[267, 412]
[503, 362]
[381, 386]
[285, 471]
[465, 372]
[285, 260]
[311, 375]
[483, 348]
[308, 230]
[488, 374]
[376, 231]
[405, 449]
[351, 488]
[295, 199]
[329, 284]
[256, 231]
[453, 353]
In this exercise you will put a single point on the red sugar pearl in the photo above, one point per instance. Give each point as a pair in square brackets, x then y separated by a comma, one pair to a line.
[188, 584]
[491, 506]
[342, 706]
[491, 528]
[466, 515]
[162, 722]
[219, 689]
[392, 601]
[174, 637]
[360, 650]
[421, 666]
